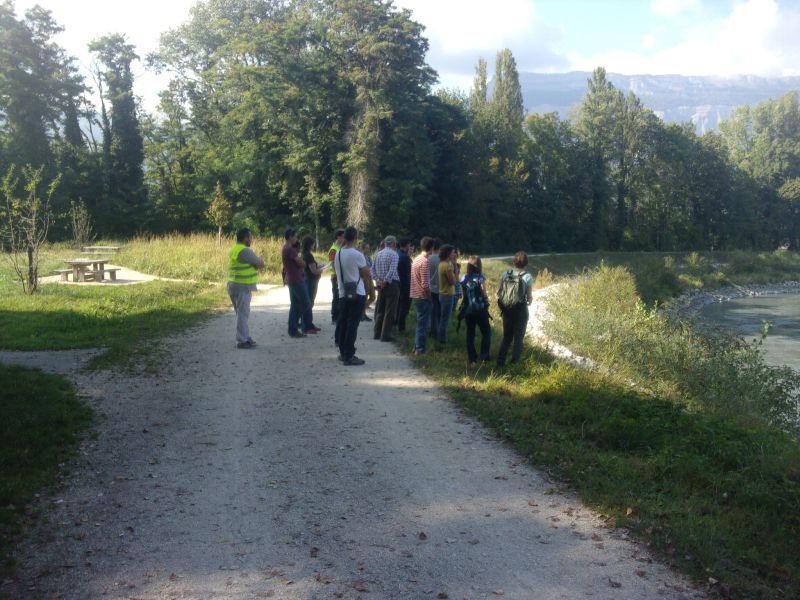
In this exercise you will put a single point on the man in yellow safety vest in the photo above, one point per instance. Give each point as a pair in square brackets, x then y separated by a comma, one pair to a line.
[335, 247]
[243, 267]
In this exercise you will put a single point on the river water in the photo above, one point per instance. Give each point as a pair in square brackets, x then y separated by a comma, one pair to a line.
[746, 315]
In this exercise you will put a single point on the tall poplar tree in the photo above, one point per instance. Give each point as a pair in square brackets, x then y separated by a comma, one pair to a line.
[126, 205]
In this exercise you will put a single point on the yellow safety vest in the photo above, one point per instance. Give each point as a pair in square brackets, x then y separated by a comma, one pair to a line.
[240, 272]
[335, 249]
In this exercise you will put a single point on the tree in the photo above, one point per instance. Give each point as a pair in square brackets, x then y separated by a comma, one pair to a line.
[125, 154]
[26, 221]
[219, 212]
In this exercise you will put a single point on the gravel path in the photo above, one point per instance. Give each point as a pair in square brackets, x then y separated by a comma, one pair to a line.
[277, 472]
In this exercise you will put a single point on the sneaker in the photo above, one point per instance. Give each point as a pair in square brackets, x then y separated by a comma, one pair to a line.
[297, 334]
[311, 331]
[252, 342]
[366, 318]
[245, 345]
[353, 361]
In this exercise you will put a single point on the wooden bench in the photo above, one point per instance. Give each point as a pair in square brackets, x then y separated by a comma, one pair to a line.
[64, 273]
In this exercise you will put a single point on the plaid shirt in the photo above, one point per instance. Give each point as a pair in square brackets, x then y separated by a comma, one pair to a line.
[420, 277]
[384, 268]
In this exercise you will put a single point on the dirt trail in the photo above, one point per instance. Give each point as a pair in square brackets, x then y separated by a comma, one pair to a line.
[277, 472]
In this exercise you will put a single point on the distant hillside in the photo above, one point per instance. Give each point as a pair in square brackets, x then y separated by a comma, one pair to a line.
[704, 101]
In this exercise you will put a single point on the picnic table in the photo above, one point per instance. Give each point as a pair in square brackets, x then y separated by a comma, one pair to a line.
[98, 249]
[87, 269]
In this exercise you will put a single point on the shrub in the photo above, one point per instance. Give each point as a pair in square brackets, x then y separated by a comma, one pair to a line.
[599, 315]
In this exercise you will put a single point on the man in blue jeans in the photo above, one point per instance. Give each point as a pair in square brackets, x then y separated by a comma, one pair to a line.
[295, 279]
[420, 293]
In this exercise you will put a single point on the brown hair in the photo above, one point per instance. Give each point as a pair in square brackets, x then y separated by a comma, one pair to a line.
[445, 251]
[474, 265]
[520, 260]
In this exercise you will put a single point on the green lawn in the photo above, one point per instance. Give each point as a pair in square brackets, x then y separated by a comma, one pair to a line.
[41, 419]
[124, 319]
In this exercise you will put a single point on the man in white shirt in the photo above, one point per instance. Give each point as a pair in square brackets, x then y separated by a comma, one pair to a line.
[351, 269]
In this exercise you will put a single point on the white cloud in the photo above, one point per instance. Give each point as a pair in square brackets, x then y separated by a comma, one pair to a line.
[459, 25]
[648, 41]
[462, 31]
[671, 8]
[757, 38]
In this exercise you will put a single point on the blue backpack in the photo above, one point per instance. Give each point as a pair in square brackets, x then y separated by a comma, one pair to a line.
[473, 302]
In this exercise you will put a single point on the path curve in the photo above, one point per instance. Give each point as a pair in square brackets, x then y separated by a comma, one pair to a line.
[277, 472]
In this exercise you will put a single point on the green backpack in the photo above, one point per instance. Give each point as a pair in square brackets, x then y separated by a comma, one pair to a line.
[511, 292]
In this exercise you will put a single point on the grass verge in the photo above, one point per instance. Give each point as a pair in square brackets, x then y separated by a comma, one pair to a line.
[195, 256]
[122, 319]
[41, 419]
[713, 488]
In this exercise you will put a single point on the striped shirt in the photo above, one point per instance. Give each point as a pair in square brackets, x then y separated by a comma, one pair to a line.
[420, 277]
[384, 268]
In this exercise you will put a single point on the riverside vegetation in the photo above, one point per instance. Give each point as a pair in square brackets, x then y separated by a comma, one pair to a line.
[687, 440]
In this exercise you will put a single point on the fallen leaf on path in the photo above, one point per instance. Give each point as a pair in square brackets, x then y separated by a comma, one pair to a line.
[499, 593]
[614, 584]
[442, 595]
[359, 586]
[423, 535]
[629, 512]
[314, 552]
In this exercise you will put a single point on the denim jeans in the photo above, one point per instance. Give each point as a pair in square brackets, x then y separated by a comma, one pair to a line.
[424, 308]
[347, 326]
[481, 321]
[299, 308]
[446, 309]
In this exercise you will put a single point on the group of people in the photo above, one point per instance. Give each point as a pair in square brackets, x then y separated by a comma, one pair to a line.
[392, 280]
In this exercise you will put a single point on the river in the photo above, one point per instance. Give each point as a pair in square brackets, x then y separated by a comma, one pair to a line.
[746, 315]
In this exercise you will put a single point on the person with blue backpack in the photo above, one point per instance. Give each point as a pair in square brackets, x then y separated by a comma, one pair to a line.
[514, 295]
[474, 309]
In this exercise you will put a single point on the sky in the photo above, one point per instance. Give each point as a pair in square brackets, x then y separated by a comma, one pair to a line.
[634, 37]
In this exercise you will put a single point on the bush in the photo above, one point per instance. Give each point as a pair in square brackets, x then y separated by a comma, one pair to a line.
[599, 315]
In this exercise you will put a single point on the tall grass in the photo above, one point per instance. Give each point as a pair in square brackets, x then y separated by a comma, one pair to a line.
[195, 256]
[600, 315]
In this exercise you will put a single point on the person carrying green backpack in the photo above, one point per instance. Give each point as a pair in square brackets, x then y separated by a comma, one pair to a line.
[514, 295]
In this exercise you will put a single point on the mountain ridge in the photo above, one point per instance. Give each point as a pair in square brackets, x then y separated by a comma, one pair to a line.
[703, 100]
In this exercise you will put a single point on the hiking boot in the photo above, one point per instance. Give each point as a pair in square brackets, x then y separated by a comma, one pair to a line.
[297, 334]
[353, 361]
[245, 345]
[313, 331]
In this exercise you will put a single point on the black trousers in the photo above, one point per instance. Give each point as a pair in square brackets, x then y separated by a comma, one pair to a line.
[347, 326]
[515, 324]
[335, 301]
[403, 306]
[481, 321]
[386, 310]
[435, 310]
